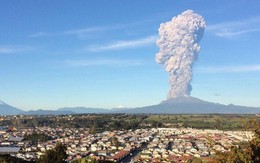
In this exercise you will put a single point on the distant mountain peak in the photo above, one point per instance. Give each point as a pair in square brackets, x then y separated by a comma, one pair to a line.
[183, 99]
[2, 103]
[6, 109]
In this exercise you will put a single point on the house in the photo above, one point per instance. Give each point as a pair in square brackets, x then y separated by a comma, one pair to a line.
[9, 150]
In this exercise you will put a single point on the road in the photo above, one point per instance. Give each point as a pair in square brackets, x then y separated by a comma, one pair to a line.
[131, 156]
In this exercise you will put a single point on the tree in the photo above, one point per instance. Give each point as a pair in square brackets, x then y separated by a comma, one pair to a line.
[255, 142]
[57, 155]
[247, 152]
[92, 130]
[196, 160]
[85, 160]
[115, 142]
[6, 158]
[35, 137]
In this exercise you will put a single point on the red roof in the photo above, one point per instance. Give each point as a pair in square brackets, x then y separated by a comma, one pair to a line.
[120, 154]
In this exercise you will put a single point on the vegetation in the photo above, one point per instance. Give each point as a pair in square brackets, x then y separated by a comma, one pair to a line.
[37, 137]
[103, 122]
[6, 158]
[90, 160]
[57, 155]
[195, 160]
[204, 121]
[245, 152]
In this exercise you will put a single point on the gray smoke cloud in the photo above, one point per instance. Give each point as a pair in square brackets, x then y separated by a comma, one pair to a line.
[178, 43]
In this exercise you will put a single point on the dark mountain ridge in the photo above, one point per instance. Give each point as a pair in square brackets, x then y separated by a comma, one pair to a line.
[47, 112]
[179, 105]
[82, 110]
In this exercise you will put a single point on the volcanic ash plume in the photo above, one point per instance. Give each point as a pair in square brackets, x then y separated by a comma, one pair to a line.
[179, 48]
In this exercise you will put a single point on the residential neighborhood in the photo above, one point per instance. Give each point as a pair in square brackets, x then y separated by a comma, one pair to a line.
[135, 145]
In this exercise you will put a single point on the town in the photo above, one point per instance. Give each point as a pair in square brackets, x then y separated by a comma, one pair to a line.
[142, 144]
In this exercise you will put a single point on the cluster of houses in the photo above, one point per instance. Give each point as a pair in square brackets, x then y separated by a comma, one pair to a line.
[179, 145]
[141, 145]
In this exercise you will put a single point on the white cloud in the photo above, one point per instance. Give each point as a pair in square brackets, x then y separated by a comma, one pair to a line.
[14, 49]
[84, 31]
[78, 32]
[230, 69]
[40, 34]
[124, 44]
[230, 34]
[120, 107]
[103, 62]
[235, 28]
[81, 32]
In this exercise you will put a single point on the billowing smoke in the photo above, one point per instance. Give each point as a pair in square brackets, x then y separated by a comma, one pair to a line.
[178, 43]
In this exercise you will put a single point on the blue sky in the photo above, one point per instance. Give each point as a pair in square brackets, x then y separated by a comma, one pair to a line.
[102, 53]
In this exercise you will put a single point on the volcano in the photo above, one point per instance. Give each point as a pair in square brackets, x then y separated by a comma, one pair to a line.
[192, 105]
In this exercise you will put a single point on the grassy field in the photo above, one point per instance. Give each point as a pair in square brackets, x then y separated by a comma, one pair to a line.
[218, 121]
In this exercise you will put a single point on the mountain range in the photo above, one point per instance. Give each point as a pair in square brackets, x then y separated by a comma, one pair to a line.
[179, 105]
